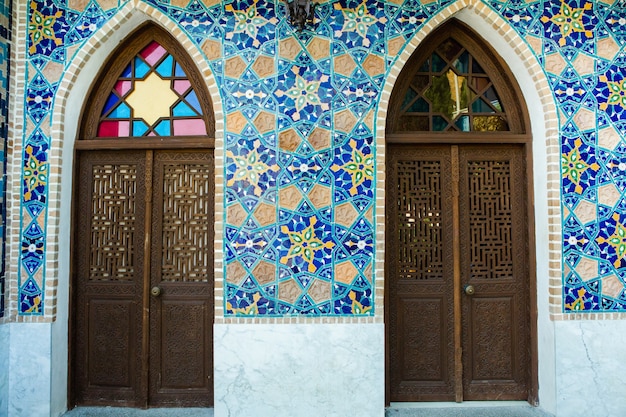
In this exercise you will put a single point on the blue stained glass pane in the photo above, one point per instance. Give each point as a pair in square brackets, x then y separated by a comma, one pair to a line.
[182, 110]
[439, 124]
[410, 95]
[438, 63]
[111, 101]
[479, 106]
[141, 68]
[165, 68]
[192, 99]
[127, 73]
[179, 71]
[139, 128]
[163, 128]
[420, 106]
[121, 112]
[463, 123]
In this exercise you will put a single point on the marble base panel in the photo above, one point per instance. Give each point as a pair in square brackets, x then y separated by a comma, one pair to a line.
[299, 370]
[591, 368]
[4, 369]
[29, 363]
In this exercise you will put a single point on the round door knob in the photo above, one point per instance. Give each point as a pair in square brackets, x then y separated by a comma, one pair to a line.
[469, 289]
[156, 291]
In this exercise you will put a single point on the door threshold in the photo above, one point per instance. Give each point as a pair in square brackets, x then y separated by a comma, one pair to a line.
[466, 404]
[91, 411]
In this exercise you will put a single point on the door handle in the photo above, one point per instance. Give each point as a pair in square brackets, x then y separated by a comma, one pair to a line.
[155, 291]
[469, 289]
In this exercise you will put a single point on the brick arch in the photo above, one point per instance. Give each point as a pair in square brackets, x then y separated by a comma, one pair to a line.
[543, 120]
[71, 94]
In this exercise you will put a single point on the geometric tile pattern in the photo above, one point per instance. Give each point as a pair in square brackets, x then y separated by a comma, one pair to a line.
[5, 33]
[299, 107]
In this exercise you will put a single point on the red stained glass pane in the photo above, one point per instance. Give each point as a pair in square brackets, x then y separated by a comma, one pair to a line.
[153, 53]
[123, 87]
[110, 128]
[189, 127]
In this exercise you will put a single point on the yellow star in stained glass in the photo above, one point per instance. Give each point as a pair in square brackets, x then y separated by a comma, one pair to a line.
[152, 98]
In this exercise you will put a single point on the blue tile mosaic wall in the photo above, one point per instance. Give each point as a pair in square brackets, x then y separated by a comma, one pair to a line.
[299, 141]
[5, 33]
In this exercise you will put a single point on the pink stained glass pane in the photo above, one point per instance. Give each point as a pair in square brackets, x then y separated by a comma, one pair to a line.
[189, 127]
[109, 128]
[123, 87]
[152, 53]
[181, 86]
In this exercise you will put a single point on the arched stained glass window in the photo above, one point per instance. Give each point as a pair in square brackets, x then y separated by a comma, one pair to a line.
[152, 97]
[149, 90]
[454, 87]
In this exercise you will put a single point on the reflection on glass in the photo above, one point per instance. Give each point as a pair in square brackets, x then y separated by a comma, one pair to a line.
[451, 91]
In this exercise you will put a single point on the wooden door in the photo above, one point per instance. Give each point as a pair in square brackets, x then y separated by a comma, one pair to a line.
[457, 255]
[143, 279]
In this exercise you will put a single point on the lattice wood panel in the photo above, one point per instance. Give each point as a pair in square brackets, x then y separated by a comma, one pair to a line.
[113, 218]
[186, 222]
[418, 213]
[490, 219]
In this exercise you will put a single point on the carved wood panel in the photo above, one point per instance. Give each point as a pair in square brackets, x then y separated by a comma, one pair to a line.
[493, 256]
[421, 321]
[111, 279]
[496, 327]
[108, 254]
[181, 360]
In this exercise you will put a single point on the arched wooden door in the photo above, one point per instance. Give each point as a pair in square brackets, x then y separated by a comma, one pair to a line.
[457, 252]
[143, 232]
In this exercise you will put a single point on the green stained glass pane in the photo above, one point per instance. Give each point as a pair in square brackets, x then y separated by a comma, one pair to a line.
[438, 63]
[139, 128]
[492, 97]
[141, 68]
[449, 49]
[425, 66]
[462, 63]
[163, 128]
[420, 82]
[480, 106]
[419, 106]
[182, 110]
[440, 96]
[439, 124]
[409, 97]
[476, 68]
[490, 124]
[120, 112]
[165, 68]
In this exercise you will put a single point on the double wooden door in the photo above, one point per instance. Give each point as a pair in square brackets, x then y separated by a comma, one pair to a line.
[143, 280]
[457, 262]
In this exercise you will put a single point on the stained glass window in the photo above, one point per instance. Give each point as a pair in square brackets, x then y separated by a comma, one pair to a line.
[152, 97]
[452, 92]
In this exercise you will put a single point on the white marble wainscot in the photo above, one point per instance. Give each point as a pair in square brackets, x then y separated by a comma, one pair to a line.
[299, 370]
[591, 368]
[29, 362]
[4, 369]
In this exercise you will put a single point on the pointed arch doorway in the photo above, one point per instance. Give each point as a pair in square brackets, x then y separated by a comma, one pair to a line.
[142, 248]
[459, 224]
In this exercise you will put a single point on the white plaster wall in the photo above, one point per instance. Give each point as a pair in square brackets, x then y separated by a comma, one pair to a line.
[4, 369]
[591, 368]
[29, 362]
[299, 370]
